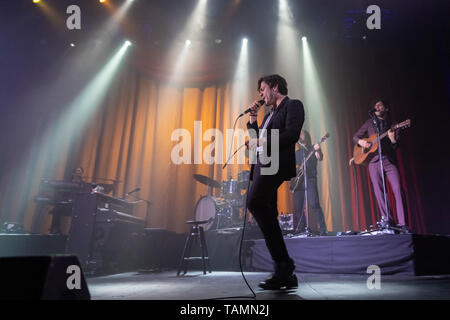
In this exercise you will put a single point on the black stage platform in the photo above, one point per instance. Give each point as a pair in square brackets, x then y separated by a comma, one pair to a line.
[25, 245]
[403, 254]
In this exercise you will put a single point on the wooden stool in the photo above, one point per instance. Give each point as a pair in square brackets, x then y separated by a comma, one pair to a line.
[195, 233]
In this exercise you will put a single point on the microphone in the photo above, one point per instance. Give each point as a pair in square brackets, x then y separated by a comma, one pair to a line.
[261, 102]
[372, 111]
[133, 191]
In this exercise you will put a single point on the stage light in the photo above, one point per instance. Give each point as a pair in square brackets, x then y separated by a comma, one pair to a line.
[319, 121]
[183, 58]
[288, 45]
[64, 130]
[81, 109]
[303, 38]
[72, 45]
[128, 43]
[240, 95]
[53, 15]
[101, 1]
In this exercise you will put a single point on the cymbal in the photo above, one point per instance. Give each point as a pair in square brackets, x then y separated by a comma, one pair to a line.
[205, 180]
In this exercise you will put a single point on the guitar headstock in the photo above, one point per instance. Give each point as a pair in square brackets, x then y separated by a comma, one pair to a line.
[403, 124]
[325, 137]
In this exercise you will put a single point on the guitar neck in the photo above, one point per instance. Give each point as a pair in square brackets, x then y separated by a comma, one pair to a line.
[313, 151]
[309, 156]
[383, 135]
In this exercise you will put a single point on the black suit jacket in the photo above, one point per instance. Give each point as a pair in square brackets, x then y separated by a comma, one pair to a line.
[288, 118]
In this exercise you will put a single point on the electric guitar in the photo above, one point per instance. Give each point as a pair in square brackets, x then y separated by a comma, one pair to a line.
[363, 156]
[295, 182]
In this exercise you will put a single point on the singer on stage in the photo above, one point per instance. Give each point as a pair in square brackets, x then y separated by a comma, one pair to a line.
[287, 116]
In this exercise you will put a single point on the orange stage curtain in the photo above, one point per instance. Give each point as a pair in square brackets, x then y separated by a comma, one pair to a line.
[130, 140]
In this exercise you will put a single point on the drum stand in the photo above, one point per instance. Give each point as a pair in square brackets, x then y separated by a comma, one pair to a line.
[307, 232]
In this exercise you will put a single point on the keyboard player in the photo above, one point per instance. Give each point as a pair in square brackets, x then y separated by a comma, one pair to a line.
[60, 198]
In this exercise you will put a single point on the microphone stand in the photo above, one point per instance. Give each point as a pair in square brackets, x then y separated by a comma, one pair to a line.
[307, 232]
[355, 182]
[147, 211]
[382, 225]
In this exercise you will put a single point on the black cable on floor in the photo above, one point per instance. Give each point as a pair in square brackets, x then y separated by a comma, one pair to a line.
[242, 241]
[243, 228]
[240, 254]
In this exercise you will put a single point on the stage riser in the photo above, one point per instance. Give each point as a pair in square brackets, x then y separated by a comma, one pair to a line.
[25, 245]
[395, 254]
[159, 249]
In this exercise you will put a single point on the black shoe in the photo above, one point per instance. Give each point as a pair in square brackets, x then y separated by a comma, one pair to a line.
[283, 278]
[280, 283]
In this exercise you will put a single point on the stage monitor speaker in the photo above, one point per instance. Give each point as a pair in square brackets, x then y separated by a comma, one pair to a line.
[58, 277]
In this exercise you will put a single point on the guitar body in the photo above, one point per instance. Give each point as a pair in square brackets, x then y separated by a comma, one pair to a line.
[363, 156]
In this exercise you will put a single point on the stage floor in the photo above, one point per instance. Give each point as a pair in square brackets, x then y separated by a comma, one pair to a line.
[230, 285]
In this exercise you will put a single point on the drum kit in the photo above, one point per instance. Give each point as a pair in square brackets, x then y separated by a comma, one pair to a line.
[223, 211]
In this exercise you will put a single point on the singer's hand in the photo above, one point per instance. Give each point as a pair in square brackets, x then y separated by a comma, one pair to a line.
[391, 135]
[254, 111]
[364, 144]
[252, 144]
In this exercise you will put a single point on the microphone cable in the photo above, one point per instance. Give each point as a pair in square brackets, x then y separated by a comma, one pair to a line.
[241, 242]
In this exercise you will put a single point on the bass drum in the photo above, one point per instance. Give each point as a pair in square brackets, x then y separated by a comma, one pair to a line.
[217, 209]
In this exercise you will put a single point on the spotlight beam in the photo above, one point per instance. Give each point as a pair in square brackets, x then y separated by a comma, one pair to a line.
[287, 59]
[194, 25]
[64, 131]
[241, 74]
[87, 102]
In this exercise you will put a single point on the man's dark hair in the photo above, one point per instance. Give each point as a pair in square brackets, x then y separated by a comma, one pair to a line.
[307, 138]
[374, 102]
[274, 80]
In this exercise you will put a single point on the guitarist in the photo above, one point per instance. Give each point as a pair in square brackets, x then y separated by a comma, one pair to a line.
[305, 148]
[380, 110]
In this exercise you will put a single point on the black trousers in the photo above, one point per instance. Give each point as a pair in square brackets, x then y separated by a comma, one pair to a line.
[313, 204]
[262, 203]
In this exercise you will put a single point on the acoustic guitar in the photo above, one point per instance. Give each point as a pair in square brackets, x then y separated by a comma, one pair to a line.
[363, 156]
[295, 182]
